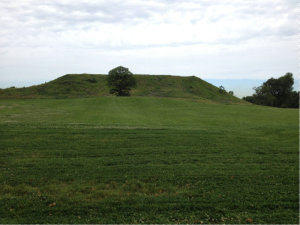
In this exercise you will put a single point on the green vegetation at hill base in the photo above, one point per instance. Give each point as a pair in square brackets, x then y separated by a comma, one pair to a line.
[86, 85]
[147, 160]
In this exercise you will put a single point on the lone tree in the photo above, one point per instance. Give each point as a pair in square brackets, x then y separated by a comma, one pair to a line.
[120, 80]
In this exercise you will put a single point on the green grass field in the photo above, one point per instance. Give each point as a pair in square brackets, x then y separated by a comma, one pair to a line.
[147, 160]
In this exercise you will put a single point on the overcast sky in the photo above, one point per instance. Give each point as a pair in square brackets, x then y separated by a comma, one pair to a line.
[213, 39]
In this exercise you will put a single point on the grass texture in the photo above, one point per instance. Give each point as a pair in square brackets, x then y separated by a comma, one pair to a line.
[147, 160]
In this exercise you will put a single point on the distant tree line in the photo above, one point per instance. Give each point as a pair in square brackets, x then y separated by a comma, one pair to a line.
[276, 92]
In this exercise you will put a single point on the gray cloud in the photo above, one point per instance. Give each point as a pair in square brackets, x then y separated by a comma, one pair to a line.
[106, 12]
[125, 31]
[57, 16]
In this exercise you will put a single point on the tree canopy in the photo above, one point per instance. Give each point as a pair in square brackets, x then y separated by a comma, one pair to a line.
[120, 80]
[276, 92]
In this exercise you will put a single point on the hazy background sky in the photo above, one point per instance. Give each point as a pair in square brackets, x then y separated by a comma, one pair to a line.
[237, 43]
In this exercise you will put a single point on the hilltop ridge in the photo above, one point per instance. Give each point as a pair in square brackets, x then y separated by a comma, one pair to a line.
[89, 85]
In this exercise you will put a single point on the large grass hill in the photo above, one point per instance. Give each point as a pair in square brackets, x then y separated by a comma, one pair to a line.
[88, 85]
[173, 153]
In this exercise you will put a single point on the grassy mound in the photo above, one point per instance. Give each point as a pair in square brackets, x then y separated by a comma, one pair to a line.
[86, 85]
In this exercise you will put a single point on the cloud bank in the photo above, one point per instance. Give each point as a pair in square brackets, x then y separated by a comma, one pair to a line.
[40, 40]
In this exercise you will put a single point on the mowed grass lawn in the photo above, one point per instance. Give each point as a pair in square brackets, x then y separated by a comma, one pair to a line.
[147, 160]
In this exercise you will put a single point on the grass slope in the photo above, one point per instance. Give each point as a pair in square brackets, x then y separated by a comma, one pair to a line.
[147, 160]
[86, 85]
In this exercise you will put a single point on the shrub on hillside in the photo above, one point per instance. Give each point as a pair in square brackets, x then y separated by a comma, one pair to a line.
[120, 80]
[222, 90]
[92, 80]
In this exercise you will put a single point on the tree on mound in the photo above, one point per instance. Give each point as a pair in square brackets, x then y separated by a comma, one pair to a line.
[120, 80]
